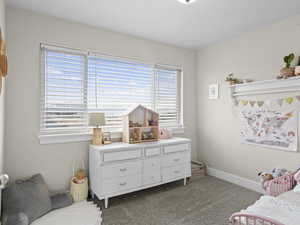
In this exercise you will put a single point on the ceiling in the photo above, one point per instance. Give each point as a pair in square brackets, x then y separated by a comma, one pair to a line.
[193, 26]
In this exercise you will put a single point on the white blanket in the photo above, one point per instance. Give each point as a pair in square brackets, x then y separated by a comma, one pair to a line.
[280, 210]
[81, 213]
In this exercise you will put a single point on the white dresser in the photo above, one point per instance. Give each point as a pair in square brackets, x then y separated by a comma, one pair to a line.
[121, 168]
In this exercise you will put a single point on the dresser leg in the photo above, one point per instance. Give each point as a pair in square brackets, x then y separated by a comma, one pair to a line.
[184, 181]
[106, 203]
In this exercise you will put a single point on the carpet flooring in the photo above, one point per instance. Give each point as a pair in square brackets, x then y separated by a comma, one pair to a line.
[203, 201]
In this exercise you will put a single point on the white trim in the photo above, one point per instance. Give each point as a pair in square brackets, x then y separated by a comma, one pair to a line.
[246, 183]
[64, 138]
[95, 53]
[63, 49]
[68, 138]
[266, 87]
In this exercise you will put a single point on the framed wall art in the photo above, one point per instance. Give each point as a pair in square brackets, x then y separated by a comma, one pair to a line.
[213, 91]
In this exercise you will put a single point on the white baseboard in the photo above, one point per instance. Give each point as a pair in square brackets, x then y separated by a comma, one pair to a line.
[246, 183]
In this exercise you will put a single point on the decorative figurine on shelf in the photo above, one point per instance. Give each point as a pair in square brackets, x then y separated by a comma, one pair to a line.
[107, 138]
[136, 135]
[154, 121]
[151, 123]
[232, 80]
[147, 135]
[297, 68]
[287, 71]
[131, 123]
[96, 120]
[165, 133]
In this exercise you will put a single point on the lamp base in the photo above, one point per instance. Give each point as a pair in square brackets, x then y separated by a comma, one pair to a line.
[97, 136]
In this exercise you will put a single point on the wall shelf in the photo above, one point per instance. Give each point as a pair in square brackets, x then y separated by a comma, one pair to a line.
[266, 87]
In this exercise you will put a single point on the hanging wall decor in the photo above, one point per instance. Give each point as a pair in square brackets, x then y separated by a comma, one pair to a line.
[271, 123]
[3, 59]
[213, 91]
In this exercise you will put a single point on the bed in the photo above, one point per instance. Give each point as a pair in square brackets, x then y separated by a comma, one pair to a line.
[283, 209]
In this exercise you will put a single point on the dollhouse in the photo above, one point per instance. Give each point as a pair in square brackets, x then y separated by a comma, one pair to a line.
[140, 125]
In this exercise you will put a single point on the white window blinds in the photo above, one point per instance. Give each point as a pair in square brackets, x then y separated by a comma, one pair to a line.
[115, 86]
[63, 96]
[74, 84]
[167, 97]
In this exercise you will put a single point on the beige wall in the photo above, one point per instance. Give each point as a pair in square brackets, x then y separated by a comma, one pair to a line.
[25, 30]
[257, 55]
[2, 25]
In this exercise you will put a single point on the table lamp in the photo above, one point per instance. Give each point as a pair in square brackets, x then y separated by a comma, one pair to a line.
[96, 120]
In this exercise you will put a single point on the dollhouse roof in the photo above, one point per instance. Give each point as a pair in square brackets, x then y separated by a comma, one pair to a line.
[137, 107]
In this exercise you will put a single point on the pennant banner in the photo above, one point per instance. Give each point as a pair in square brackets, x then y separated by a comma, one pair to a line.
[244, 102]
[252, 103]
[279, 102]
[260, 103]
[289, 100]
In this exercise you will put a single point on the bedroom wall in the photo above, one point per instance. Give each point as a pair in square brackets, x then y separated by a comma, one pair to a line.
[257, 55]
[25, 30]
[2, 25]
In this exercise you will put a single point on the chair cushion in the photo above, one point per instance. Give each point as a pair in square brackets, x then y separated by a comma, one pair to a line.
[29, 197]
[81, 213]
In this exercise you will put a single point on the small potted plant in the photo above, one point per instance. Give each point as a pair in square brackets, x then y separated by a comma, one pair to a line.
[288, 71]
[232, 80]
[297, 68]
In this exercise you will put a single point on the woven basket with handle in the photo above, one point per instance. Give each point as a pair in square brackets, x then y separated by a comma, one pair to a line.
[79, 191]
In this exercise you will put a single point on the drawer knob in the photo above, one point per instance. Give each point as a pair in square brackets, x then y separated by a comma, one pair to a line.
[176, 160]
[123, 184]
[176, 171]
[123, 169]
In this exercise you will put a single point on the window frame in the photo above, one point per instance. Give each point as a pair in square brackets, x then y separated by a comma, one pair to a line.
[48, 138]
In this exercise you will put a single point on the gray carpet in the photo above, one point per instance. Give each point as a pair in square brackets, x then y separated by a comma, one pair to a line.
[204, 201]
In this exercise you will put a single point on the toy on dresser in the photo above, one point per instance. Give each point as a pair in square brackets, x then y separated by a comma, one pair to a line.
[277, 181]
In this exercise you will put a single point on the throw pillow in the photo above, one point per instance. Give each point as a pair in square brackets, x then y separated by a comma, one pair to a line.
[29, 197]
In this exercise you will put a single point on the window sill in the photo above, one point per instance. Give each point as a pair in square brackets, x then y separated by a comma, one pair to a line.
[64, 138]
[84, 137]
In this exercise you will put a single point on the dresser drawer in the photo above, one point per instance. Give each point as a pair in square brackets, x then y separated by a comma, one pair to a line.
[122, 155]
[152, 178]
[149, 152]
[174, 172]
[121, 170]
[150, 165]
[176, 148]
[111, 186]
[175, 159]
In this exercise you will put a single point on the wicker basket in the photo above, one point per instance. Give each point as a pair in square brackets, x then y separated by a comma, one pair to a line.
[79, 192]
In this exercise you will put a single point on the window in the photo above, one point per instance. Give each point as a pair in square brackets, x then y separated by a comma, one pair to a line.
[64, 96]
[115, 86]
[76, 83]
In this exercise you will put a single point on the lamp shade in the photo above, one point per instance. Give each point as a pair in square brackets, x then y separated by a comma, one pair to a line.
[96, 119]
